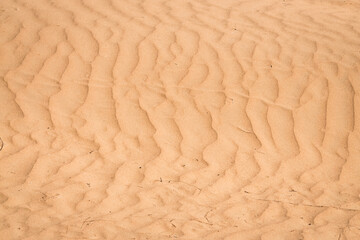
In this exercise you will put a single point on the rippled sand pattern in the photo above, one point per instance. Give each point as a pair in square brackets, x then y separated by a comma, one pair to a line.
[204, 119]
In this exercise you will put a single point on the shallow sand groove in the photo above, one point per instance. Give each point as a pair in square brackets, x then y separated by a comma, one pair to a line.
[155, 119]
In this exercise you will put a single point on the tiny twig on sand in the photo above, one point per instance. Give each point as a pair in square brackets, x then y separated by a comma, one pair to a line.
[1, 144]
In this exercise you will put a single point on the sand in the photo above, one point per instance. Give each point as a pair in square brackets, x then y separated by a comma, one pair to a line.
[203, 119]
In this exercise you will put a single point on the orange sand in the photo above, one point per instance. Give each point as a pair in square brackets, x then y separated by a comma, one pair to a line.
[180, 119]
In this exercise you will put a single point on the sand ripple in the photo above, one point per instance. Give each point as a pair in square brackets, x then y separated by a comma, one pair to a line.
[155, 119]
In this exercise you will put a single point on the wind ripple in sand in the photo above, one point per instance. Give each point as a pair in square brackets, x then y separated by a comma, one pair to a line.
[178, 119]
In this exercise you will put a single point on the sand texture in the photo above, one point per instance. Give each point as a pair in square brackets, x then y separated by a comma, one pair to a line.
[179, 119]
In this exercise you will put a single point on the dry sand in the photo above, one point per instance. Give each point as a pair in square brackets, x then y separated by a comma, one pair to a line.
[180, 119]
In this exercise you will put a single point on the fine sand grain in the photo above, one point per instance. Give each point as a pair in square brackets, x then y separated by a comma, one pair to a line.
[180, 119]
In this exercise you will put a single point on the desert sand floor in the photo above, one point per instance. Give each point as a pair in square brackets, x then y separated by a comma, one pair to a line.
[180, 119]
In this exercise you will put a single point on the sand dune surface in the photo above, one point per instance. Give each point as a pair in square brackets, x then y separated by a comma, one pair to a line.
[181, 119]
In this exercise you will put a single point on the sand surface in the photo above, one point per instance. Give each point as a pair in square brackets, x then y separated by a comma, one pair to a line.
[180, 119]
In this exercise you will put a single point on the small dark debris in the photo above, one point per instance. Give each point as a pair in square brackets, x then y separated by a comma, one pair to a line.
[91, 152]
[309, 224]
[271, 66]
[139, 167]
[160, 179]
[183, 165]
[246, 192]
[43, 197]
[218, 174]
[88, 184]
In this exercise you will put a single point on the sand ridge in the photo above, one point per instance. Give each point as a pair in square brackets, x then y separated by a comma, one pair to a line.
[155, 119]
